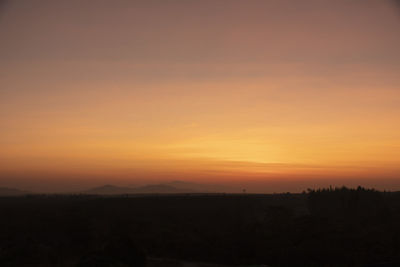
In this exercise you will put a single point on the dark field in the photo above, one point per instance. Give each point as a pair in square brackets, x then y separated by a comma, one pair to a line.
[338, 227]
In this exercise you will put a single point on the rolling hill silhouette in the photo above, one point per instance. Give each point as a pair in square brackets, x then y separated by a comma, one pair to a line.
[173, 187]
[147, 189]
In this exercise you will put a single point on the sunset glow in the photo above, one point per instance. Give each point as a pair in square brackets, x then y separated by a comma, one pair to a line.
[209, 91]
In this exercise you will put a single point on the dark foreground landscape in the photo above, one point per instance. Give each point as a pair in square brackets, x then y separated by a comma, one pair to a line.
[333, 227]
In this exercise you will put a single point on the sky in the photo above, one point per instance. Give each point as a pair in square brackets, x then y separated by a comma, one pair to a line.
[271, 96]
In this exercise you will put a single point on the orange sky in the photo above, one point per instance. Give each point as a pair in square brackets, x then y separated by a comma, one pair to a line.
[268, 95]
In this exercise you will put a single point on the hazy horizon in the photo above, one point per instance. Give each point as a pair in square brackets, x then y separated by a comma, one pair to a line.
[251, 187]
[270, 96]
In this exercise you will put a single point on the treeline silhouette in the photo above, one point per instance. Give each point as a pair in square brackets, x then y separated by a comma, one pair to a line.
[324, 227]
[348, 203]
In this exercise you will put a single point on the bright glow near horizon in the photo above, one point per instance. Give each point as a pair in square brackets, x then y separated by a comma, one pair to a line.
[227, 92]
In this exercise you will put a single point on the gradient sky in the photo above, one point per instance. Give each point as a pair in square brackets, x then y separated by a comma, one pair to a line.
[267, 95]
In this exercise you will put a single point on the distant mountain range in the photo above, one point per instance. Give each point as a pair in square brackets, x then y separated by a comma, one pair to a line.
[148, 189]
[5, 191]
[174, 187]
